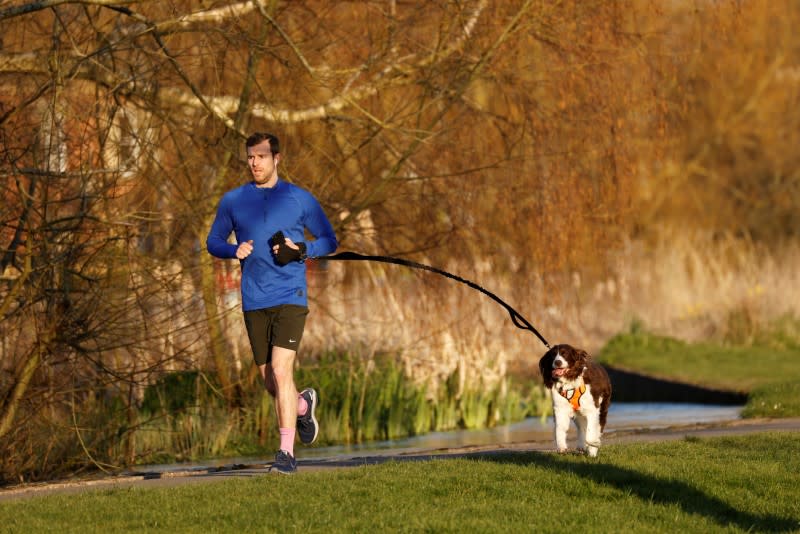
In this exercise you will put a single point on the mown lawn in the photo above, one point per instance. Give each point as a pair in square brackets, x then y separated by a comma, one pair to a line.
[736, 484]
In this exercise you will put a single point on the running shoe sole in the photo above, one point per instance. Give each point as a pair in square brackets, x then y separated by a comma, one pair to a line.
[308, 437]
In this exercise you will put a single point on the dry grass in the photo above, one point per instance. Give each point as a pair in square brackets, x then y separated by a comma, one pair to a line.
[689, 287]
[698, 288]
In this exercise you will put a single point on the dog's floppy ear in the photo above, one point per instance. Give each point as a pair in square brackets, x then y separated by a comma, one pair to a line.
[582, 357]
[546, 367]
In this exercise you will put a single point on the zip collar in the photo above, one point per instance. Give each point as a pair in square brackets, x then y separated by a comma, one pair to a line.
[273, 188]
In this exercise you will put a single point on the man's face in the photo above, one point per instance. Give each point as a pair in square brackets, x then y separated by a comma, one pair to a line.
[263, 164]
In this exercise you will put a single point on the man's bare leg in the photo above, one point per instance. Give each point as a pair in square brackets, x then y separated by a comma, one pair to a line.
[285, 395]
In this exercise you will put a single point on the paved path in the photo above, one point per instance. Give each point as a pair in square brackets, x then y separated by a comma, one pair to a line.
[180, 476]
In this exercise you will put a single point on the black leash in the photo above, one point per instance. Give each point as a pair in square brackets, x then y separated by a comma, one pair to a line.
[518, 320]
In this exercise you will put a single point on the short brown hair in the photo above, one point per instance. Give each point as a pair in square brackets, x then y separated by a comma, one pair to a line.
[260, 137]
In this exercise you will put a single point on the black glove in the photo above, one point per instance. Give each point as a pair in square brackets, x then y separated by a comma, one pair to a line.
[286, 254]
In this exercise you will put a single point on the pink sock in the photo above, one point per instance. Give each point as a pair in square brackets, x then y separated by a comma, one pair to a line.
[302, 405]
[287, 440]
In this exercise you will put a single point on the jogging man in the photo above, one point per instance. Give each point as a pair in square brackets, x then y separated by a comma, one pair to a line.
[269, 217]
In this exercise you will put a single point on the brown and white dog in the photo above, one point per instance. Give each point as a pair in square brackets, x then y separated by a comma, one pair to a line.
[581, 391]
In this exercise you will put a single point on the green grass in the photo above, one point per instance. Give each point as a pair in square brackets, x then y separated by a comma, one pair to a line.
[706, 364]
[736, 484]
[768, 371]
[774, 400]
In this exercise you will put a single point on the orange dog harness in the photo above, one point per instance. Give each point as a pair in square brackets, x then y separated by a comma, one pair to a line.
[574, 396]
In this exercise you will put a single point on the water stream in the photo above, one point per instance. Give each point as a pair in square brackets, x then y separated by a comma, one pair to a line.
[621, 416]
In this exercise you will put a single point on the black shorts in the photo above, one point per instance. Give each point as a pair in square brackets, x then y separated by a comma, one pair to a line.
[279, 326]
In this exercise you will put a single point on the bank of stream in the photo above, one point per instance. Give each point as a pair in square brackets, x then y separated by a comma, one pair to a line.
[639, 402]
[623, 416]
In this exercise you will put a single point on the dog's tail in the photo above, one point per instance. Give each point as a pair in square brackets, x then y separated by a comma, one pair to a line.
[604, 413]
[606, 402]
[604, 405]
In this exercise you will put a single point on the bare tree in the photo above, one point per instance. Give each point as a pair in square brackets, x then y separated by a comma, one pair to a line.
[441, 129]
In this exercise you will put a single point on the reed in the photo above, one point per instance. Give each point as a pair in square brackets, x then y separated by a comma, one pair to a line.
[373, 398]
[184, 417]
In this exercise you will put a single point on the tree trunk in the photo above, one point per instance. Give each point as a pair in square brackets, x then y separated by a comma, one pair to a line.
[10, 407]
[208, 280]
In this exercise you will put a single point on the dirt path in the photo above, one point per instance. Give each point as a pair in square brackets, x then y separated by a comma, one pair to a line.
[208, 474]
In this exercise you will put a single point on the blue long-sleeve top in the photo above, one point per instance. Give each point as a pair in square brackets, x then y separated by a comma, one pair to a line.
[257, 213]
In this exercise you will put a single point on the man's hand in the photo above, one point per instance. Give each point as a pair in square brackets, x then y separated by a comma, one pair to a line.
[286, 250]
[289, 242]
[244, 249]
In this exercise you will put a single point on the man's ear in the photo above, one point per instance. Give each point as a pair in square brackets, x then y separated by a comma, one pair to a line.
[277, 158]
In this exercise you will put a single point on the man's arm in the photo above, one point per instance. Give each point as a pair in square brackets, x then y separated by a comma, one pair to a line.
[217, 240]
[320, 227]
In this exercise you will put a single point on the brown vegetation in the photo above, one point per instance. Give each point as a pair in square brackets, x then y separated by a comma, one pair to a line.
[590, 162]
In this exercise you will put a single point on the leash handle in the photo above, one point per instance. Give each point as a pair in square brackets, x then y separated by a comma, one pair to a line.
[518, 320]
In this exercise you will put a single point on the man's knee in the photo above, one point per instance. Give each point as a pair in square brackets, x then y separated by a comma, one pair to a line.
[281, 374]
[282, 364]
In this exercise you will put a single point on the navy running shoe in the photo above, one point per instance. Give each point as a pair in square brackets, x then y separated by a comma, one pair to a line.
[307, 426]
[284, 463]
